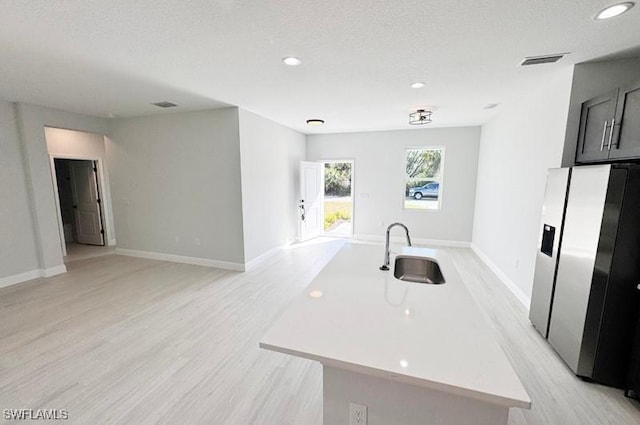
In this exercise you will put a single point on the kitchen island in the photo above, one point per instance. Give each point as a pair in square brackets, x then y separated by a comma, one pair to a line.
[412, 353]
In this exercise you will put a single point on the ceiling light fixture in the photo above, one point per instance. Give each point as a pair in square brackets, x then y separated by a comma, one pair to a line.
[417, 85]
[614, 10]
[314, 122]
[420, 117]
[165, 104]
[291, 61]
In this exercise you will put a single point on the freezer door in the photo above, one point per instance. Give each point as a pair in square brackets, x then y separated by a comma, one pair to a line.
[548, 247]
[583, 221]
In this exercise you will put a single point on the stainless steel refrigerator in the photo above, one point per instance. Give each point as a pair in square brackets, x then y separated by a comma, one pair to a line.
[585, 298]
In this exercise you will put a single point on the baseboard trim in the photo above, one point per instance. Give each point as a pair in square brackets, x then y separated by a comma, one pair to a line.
[264, 256]
[111, 242]
[32, 274]
[415, 241]
[519, 294]
[181, 259]
[53, 271]
[18, 278]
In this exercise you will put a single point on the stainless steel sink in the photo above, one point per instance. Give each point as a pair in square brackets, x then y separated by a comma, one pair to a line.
[417, 269]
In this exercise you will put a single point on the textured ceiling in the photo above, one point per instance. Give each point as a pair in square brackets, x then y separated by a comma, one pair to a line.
[115, 57]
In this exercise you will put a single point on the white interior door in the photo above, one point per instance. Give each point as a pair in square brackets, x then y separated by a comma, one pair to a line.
[86, 203]
[311, 192]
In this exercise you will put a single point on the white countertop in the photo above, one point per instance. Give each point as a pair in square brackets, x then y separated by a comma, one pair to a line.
[369, 322]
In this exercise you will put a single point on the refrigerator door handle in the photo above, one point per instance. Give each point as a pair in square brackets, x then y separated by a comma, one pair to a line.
[613, 124]
[604, 134]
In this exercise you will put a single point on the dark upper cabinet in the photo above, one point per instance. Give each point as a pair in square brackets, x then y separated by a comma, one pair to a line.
[626, 137]
[610, 126]
[595, 127]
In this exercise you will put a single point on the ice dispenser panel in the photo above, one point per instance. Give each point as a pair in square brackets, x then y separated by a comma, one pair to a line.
[548, 235]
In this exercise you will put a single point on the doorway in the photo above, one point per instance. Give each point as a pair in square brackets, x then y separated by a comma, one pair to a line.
[80, 204]
[337, 203]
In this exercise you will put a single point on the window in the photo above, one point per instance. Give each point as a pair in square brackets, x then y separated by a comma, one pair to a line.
[423, 178]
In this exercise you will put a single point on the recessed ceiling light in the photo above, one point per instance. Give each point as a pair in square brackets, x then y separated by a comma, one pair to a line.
[490, 106]
[316, 294]
[615, 10]
[417, 85]
[315, 122]
[291, 61]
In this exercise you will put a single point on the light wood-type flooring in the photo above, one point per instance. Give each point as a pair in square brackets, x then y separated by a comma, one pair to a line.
[76, 251]
[121, 340]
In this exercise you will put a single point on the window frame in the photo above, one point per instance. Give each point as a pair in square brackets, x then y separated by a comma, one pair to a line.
[440, 180]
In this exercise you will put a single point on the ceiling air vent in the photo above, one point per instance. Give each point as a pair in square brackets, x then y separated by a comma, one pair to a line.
[165, 104]
[537, 60]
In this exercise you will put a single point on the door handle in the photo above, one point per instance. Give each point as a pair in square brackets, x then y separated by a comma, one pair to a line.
[604, 134]
[613, 125]
[302, 217]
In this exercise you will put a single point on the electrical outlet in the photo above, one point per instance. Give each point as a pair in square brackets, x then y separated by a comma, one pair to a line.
[357, 414]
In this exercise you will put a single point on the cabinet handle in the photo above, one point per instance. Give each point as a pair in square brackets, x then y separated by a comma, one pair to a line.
[604, 134]
[613, 124]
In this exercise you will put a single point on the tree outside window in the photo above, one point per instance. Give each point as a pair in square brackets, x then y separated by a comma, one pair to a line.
[423, 178]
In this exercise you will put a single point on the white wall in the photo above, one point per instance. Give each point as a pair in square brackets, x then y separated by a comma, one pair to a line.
[18, 249]
[63, 143]
[591, 80]
[31, 122]
[516, 149]
[379, 179]
[175, 182]
[68, 143]
[271, 156]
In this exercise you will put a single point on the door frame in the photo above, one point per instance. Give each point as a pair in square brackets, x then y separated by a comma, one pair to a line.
[353, 193]
[104, 205]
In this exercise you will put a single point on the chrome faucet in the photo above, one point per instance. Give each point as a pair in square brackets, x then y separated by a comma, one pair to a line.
[385, 266]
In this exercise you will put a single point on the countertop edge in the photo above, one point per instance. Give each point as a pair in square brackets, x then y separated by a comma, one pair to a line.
[433, 385]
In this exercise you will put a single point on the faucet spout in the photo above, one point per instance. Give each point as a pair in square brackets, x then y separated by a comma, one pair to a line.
[387, 259]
